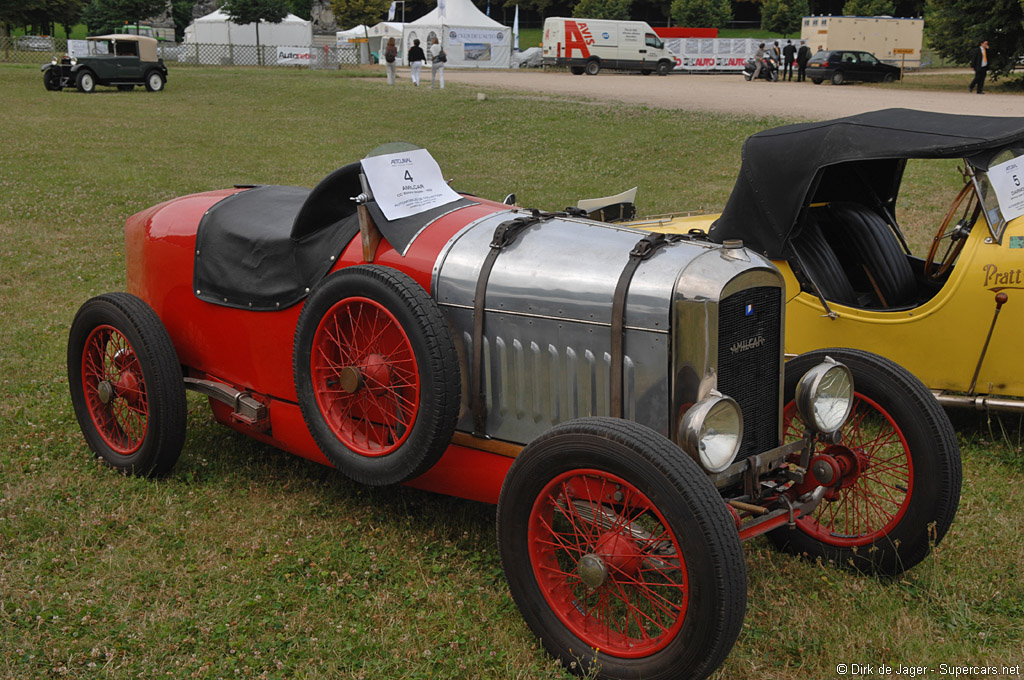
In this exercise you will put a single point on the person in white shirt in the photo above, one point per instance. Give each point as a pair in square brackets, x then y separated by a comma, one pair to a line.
[437, 61]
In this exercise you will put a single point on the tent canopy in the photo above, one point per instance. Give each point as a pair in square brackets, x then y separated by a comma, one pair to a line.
[217, 28]
[469, 37]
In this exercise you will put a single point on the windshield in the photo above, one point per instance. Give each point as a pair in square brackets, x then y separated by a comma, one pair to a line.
[1001, 189]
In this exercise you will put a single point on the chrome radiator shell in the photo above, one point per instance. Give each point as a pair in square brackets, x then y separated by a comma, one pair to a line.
[547, 329]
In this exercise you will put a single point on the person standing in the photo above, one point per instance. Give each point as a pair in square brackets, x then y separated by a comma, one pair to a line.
[758, 62]
[979, 62]
[437, 62]
[390, 57]
[416, 59]
[803, 55]
[788, 54]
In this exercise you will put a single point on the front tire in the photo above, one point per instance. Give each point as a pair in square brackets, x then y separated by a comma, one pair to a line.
[888, 78]
[663, 68]
[126, 385]
[905, 497]
[85, 81]
[155, 81]
[620, 554]
[51, 80]
[376, 374]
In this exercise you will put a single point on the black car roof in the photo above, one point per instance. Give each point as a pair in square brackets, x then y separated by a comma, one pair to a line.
[784, 169]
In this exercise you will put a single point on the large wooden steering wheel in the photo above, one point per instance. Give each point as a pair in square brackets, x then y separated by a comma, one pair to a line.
[966, 205]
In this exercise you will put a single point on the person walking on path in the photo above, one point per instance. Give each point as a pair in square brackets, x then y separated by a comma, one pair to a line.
[437, 62]
[416, 59]
[803, 55]
[788, 53]
[390, 59]
[979, 62]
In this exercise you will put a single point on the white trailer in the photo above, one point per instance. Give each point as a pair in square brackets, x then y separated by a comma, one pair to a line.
[894, 40]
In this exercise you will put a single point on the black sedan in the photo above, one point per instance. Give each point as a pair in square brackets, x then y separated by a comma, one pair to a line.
[840, 66]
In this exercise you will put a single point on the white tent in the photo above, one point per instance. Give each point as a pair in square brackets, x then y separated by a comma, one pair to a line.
[380, 33]
[216, 28]
[469, 37]
[356, 40]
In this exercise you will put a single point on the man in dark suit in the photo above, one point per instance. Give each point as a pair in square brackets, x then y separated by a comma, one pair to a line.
[788, 53]
[803, 55]
[979, 62]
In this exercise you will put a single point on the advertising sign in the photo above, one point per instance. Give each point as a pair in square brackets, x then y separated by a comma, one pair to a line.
[293, 56]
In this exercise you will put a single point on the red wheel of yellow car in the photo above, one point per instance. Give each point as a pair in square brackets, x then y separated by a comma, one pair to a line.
[897, 470]
[620, 554]
[966, 205]
[126, 384]
[376, 374]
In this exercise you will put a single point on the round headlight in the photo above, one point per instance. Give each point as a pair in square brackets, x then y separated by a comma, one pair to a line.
[711, 431]
[824, 396]
[74, 60]
[53, 62]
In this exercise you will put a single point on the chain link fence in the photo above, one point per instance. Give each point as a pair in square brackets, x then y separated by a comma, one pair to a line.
[41, 49]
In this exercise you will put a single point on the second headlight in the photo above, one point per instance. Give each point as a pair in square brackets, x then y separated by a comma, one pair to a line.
[824, 396]
[711, 431]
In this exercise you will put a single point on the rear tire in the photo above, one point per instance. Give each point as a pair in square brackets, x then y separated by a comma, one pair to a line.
[376, 374]
[594, 517]
[592, 68]
[155, 81]
[126, 385]
[816, 81]
[576, 70]
[838, 78]
[905, 499]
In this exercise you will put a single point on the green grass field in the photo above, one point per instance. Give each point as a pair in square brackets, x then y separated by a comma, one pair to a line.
[248, 562]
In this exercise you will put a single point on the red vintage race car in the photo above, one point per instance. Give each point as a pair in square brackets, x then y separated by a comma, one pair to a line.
[620, 396]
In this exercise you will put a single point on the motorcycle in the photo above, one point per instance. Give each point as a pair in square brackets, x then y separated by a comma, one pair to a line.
[769, 71]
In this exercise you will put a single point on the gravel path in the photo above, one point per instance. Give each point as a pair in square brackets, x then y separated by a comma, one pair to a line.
[732, 94]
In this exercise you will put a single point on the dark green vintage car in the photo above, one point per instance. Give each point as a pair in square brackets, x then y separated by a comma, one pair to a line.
[123, 61]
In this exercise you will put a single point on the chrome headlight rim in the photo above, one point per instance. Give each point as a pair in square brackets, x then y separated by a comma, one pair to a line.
[693, 433]
[814, 386]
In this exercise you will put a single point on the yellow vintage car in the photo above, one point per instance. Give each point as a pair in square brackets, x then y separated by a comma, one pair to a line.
[820, 200]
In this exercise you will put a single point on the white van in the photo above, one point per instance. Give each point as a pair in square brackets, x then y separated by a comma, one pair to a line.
[589, 45]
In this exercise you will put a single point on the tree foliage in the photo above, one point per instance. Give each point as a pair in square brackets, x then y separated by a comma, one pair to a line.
[869, 8]
[783, 16]
[957, 26]
[602, 9]
[103, 16]
[701, 13]
[351, 13]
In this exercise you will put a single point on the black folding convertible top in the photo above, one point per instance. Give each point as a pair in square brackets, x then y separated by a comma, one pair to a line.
[783, 169]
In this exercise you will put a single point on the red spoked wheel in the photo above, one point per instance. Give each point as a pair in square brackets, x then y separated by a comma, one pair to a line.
[376, 374]
[877, 477]
[365, 376]
[620, 554]
[896, 486]
[608, 564]
[115, 390]
[126, 384]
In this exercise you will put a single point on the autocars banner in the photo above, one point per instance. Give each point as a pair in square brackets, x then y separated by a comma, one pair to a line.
[716, 54]
[293, 56]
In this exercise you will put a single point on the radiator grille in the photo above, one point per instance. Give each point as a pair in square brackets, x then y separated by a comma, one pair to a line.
[749, 333]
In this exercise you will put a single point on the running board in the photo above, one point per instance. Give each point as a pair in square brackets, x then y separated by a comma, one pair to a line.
[246, 409]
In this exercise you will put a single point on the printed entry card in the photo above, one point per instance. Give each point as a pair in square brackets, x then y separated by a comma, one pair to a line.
[1008, 181]
[407, 183]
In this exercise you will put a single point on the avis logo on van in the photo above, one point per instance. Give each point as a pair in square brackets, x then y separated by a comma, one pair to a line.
[577, 36]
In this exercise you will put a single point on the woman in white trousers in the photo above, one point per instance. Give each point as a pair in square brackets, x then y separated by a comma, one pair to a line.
[416, 59]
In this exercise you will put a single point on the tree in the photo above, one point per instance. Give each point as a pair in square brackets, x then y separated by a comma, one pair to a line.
[957, 26]
[602, 9]
[869, 8]
[701, 13]
[243, 12]
[103, 16]
[783, 16]
[349, 13]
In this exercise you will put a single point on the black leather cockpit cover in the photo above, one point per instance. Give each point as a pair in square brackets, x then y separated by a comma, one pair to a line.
[246, 256]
